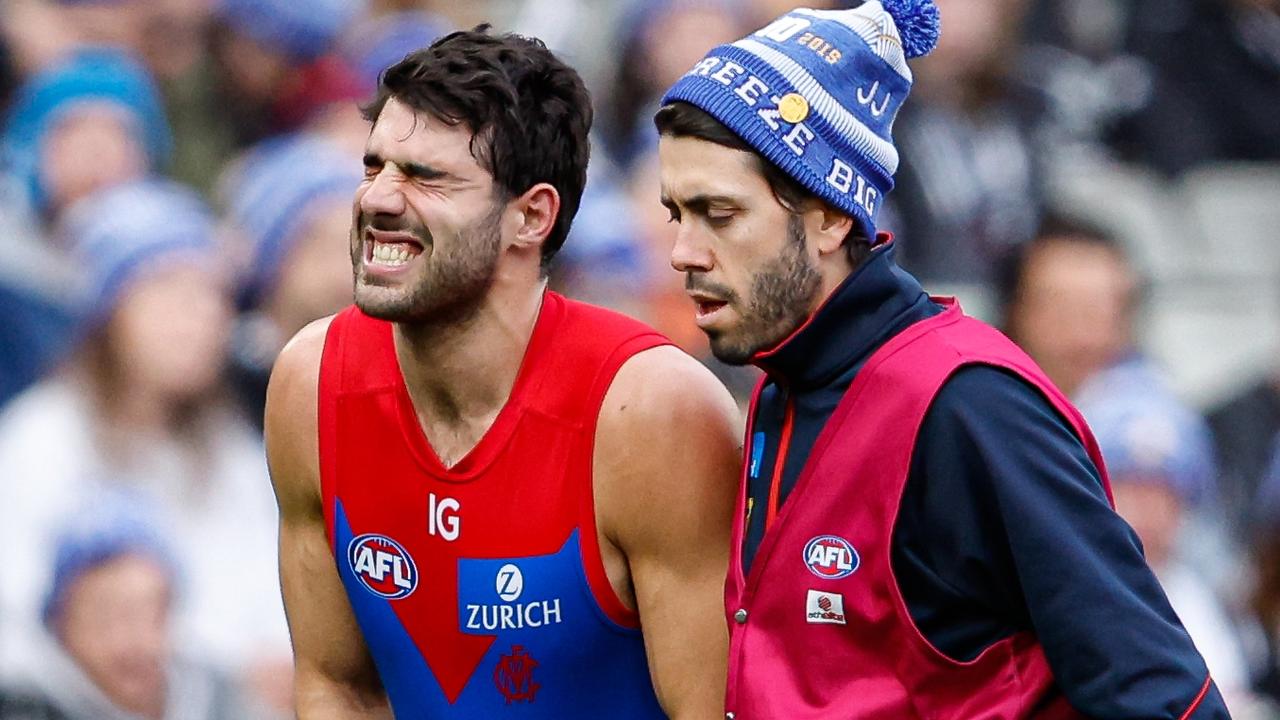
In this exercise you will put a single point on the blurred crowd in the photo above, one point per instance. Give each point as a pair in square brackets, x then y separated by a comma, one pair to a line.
[1101, 178]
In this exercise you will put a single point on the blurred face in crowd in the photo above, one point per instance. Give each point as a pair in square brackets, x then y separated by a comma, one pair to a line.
[169, 333]
[315, 278]
[976, 44]
[252, 71]
[173, 40]
[120, 23]
[427, 221]
[765, 11]
[680, 36]
[33, 35]
[1072, 310]
[1155, 512]
[91, 148]
[748, 263]
[114, 623]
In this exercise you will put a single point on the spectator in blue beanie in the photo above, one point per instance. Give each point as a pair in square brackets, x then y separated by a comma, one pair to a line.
[380, 42]
[1159, 455]
[142, 400]
[90, 121]
[658, 40]
[290, 204]
[108, 650]
[271, 53]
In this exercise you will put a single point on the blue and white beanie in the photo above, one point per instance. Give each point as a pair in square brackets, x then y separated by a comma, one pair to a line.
[1146, 434]
[269, 195]
[107, 525]
[90, 75]
[816, 92]
[119, 234]
[301, 29]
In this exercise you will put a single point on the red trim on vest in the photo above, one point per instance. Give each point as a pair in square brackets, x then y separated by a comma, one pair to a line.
[1195, 704]
[779, 464]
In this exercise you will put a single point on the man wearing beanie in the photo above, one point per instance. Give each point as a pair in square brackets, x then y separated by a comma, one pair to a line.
[925, 527]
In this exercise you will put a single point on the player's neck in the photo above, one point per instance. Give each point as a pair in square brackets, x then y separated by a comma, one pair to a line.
[460, 375]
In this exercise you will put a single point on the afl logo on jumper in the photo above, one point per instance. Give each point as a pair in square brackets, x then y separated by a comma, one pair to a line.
[830, 557]
[382, 565]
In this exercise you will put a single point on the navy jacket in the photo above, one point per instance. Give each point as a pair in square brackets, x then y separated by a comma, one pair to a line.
[1004, 525]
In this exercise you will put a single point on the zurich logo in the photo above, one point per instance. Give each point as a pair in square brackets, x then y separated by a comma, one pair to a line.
[830, 557]
[382, 565]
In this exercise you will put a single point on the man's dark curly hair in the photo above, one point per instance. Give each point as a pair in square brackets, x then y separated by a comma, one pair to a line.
[529, 113]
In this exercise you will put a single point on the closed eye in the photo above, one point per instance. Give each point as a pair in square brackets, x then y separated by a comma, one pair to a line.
[719, 220]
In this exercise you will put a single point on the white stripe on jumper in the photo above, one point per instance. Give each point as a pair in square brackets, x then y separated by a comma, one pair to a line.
[854, 130]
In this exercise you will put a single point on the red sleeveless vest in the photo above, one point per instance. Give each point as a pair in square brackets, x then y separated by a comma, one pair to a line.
[819, 628]
[479, 588]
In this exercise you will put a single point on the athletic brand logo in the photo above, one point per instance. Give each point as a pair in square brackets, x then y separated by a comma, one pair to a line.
[824, 608]
[514, 676]
[382, 565]
[830, 557]
[509, 583]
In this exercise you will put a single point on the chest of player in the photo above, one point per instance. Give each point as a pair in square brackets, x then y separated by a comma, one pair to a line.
[471, 584]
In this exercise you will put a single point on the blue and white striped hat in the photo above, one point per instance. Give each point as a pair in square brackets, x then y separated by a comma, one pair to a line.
[119, 234]
[816, 92]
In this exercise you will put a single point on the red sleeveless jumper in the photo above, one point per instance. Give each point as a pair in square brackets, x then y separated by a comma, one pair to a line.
[479, 588]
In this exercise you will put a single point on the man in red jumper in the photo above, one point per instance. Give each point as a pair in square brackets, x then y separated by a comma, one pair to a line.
[925, 527]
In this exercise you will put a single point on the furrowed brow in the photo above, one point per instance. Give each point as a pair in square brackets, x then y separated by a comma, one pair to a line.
[419, 171]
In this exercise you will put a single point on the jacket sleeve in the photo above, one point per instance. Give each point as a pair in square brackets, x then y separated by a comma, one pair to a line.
[1022, 527]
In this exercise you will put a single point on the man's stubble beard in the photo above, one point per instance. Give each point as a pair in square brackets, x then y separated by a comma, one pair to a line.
[450, 286]
[781, 295]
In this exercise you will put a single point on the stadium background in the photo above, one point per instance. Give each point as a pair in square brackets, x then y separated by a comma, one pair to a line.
[1099, 177]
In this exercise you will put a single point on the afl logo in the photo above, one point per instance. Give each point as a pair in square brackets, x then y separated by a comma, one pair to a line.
[830, 557]
[382, 565]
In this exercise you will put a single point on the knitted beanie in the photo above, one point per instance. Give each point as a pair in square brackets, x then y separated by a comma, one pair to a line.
[90, 75]
[816, 92]
[268, 198]
[118, 234]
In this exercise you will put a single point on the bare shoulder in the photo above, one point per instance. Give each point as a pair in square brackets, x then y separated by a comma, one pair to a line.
[662, 386]
[668, 443]
[291, 415]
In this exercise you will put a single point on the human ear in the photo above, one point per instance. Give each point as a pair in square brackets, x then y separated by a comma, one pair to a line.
[827, 228]
[539, 207]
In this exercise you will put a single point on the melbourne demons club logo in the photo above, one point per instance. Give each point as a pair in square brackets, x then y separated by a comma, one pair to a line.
[830, 557]
[382, 565]
[514, 676]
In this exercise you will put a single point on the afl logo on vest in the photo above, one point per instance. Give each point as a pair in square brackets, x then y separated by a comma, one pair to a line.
[830, 557]
[383, 566]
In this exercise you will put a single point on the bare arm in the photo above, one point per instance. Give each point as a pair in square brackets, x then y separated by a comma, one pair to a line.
[668, 453]
[334, 675]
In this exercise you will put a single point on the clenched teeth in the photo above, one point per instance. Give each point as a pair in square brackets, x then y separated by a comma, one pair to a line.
[392, 255]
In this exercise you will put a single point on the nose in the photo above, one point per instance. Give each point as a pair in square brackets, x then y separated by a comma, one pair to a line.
[383, 194]
[691, 251]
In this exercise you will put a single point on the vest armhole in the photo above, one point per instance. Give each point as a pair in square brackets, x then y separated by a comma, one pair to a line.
[1061, 407]
[332, 367]
[598, 582]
